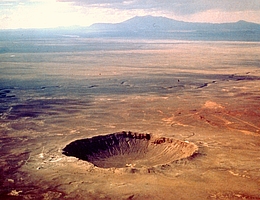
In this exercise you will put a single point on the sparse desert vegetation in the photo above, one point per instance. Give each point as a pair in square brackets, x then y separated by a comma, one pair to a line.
[202, 93]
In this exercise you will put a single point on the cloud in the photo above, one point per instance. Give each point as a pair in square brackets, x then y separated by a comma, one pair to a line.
[51, 13]
[39, 14]
[180, 7]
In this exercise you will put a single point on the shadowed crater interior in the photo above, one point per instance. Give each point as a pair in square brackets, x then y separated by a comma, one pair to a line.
[125, 149]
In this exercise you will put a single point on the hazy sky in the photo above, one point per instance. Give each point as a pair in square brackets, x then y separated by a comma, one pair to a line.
[53, 13]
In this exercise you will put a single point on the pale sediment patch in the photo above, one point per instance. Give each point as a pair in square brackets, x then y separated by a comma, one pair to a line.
[212, 105]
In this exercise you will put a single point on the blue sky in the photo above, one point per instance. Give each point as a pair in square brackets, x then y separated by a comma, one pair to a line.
[55, 13]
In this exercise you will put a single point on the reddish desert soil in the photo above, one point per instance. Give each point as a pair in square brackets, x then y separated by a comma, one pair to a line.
[206, 94]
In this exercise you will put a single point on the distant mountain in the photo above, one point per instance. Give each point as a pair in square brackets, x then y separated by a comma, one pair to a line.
[162, 27]
[147, 27]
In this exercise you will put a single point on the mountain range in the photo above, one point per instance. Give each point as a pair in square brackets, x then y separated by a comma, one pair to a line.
[150, 27]
[162, 27]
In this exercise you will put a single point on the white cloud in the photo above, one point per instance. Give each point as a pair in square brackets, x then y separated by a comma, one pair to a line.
[43, 14]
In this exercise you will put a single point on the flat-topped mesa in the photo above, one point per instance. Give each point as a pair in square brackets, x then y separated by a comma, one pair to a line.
[138, 149]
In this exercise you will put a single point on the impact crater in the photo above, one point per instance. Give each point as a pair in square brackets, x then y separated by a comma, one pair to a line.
[125, 149]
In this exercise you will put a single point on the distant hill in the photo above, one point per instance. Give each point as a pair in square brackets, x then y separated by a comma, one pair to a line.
[162, 27]
[148, 27]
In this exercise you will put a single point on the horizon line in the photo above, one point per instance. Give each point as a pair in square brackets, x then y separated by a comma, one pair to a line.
[80, 26]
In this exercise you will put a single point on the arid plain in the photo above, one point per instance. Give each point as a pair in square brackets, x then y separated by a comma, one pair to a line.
[54, 92]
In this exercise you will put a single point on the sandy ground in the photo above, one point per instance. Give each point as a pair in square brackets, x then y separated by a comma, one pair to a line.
[204, 93]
